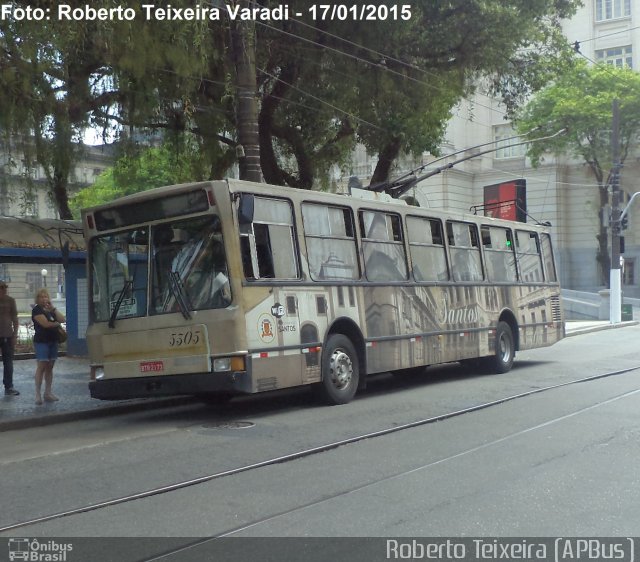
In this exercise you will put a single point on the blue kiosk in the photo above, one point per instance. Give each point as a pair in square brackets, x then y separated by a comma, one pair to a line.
[52, 241]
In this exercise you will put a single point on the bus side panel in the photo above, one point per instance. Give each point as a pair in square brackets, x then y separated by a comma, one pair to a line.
[273, 338]
[540, 316]
[424, 325]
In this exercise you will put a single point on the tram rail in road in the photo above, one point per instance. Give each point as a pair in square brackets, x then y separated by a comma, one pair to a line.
[341, 443]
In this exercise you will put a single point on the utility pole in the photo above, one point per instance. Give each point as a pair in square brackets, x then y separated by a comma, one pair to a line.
[243, 53]
[615, 281]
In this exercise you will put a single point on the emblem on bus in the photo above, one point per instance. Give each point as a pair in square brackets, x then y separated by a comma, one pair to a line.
[265, 328]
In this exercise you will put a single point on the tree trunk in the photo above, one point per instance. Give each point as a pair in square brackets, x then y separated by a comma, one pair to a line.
[386, 158]
[244, 59]
[272, 172]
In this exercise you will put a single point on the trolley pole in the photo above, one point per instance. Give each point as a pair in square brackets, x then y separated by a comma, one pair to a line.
[615, 281]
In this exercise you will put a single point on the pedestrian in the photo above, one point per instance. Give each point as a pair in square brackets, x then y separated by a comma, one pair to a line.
[46, 321]
[9, 327]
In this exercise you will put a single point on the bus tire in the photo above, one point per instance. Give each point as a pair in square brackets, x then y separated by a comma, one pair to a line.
[340, 371]
[505, 349]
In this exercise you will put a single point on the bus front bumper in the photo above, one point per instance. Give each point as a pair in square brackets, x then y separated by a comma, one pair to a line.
[236, 382]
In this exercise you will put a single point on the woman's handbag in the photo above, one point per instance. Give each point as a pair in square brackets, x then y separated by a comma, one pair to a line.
[62, 334]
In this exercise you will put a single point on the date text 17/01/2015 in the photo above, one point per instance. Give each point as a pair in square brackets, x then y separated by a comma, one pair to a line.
[153, 12]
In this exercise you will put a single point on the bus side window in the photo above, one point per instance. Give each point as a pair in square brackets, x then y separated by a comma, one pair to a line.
[499, 253]
[464, 246]
[264, 251]
[247, 262]
[426, 244]
[268, 245]
[547, 256]
[529, 257]
[383, 248]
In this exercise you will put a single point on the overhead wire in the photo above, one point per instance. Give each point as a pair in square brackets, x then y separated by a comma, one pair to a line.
[380, 66]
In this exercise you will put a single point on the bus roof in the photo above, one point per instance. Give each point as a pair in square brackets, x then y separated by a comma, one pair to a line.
[359, 196]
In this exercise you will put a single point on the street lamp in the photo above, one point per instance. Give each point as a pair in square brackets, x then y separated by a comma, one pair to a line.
[44, 273]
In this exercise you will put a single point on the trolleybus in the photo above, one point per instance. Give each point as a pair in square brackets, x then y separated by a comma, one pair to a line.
[231, 287]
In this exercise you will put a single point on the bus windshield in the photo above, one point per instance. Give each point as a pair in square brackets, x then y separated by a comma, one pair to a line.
[175, 266]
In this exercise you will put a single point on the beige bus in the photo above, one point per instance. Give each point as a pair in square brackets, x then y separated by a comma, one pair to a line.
[230, 287]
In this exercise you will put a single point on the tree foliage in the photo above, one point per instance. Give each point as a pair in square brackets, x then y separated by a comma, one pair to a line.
[581, 101]
[141, 169]
[392, 84]
[58, 77]
[322, 85]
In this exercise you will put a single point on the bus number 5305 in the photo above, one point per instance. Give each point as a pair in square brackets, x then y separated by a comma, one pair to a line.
[190, 337]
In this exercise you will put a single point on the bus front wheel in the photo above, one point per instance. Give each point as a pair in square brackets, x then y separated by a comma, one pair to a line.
[340, 371]
[505, 349]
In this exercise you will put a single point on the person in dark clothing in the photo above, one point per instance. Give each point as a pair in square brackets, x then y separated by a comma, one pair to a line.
[8, 337]
[46, 321]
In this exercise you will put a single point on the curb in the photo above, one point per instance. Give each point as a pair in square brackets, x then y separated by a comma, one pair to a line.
[142, 404]
[599, 328]
[100, 411]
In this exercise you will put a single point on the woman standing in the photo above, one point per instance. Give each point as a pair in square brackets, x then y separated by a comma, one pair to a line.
[46, 321]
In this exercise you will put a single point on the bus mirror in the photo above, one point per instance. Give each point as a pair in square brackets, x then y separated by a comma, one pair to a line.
[245, 208]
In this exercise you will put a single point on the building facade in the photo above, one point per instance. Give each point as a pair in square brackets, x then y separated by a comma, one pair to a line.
[24, 194]
[560, 190]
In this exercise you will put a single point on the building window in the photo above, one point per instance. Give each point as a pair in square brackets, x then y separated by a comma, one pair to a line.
[612, 9]
[503, 137]
[618, 57]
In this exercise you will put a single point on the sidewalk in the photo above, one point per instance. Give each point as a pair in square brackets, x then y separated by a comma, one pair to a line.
[70, 384]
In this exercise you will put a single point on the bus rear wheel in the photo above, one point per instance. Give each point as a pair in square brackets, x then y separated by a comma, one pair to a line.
[340, 371]
[505, 349]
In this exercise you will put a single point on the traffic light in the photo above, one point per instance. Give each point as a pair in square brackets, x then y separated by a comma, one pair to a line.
[624, 222]
[621, 244]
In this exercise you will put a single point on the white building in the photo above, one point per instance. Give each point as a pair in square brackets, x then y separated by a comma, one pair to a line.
[560, 191]
[24, 193]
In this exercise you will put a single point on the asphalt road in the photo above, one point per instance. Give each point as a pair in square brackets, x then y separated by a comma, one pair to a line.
[559, 462]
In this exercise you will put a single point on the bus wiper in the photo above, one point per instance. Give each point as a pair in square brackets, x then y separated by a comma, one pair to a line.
[128, 285]
[177, 288]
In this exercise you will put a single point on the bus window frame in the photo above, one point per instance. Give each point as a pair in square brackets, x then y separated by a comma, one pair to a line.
[512, 251]
[357, 244]
[536, 235]
[443, 246]
[552, 258]
[402, 243]
[480, 249]
[247, 231]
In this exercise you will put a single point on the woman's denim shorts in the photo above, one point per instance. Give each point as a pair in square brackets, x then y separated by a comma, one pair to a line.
[46, 351]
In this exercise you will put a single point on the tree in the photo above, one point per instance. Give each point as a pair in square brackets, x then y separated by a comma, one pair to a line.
[581, 101]
[58, 77]
[147, 168]
[392, 84]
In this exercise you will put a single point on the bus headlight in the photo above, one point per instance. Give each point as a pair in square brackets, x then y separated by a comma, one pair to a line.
[97, 372]
[224, 364]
